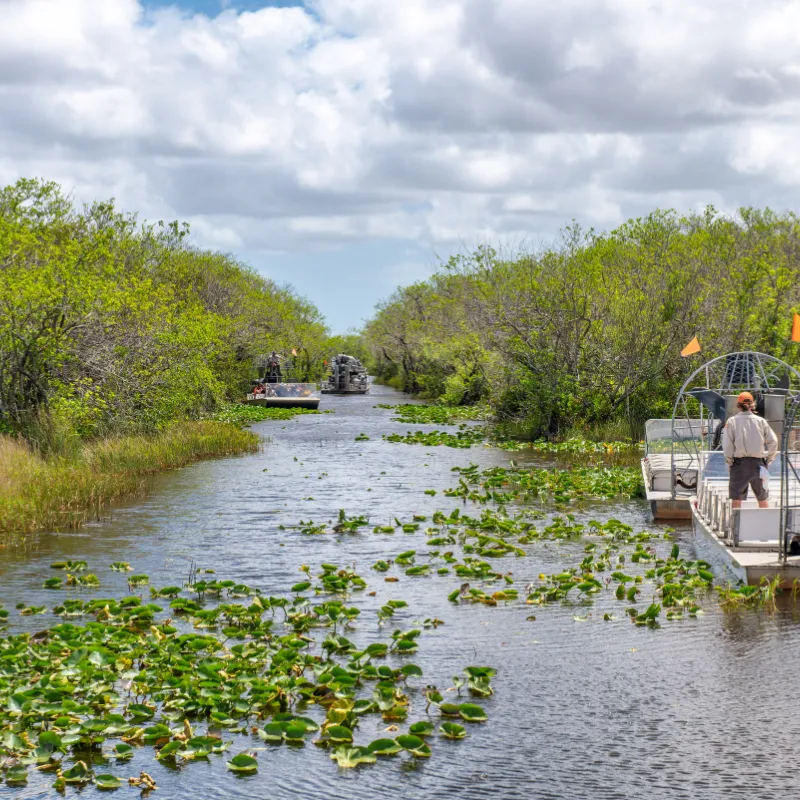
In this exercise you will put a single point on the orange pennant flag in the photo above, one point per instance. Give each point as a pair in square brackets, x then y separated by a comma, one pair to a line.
[691, 348]
[294, 352]
[796, 328]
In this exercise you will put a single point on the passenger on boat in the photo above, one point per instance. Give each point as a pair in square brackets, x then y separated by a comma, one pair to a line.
[748, 443]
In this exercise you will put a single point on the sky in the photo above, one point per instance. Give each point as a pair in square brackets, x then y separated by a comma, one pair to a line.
[345, 146]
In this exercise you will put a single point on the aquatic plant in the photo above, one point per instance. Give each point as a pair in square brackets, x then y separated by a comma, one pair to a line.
[507, 484]
[435, 414]
[464, 438]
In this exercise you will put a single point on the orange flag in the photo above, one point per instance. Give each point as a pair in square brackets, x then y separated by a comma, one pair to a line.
[691, 348]
[294, 351]
[796, 328]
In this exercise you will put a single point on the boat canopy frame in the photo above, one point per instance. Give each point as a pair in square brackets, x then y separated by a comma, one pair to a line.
[790, 483]
[703, 403]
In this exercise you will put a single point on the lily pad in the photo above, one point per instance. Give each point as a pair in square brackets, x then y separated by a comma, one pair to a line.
[350, 757]
[423, 728]
[452, 730]
[107, 782]
[243, 763]
[472, 713]
[77, 774]
[17, 774]
[384, 747]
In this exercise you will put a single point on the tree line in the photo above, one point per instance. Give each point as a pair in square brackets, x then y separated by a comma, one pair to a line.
[589, 330]
[109, 325]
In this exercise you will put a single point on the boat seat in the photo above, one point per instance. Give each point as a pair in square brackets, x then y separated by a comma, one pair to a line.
[753, 525]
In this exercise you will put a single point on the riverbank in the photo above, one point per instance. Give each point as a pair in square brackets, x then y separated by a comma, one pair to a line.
[39, 493]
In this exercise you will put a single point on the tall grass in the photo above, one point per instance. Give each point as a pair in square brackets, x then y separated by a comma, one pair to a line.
[65, 491]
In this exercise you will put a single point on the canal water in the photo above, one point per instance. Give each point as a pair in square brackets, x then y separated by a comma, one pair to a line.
[699, 708]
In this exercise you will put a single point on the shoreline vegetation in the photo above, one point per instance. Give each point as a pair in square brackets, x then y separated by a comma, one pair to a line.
[65, 491]
[583, 338]
[122, 348]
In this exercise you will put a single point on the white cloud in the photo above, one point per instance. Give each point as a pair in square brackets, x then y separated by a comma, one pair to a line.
[432, 121]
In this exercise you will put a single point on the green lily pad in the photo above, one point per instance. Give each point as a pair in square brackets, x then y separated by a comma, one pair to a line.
[107, 782]
[452, 730]
[79, 773]
[422, 728]
[338, 733]
[350, 757]
[122, 752]
[243, 763]
[472, 713]
[384, 747]
[17, 774]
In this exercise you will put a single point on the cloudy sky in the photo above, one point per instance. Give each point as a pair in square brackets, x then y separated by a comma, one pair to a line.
[340, 145]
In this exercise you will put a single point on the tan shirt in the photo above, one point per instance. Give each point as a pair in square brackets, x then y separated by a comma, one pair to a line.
[749, 436]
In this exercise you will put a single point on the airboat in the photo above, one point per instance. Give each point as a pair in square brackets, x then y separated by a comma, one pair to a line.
[686, 475]
[347, 375]
[278, 387]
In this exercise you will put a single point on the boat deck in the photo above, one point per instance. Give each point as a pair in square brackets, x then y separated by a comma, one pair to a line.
[747, 542]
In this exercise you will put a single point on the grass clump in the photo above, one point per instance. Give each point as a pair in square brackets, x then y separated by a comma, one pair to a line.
[39, 492]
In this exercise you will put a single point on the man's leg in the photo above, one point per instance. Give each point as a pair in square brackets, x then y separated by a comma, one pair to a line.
[736, 503]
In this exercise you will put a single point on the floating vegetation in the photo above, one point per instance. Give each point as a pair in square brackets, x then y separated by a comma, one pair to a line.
[577, 446]
[187, 684]
[243, 414]
[362, 437]
[762, 596]
[436, 415]
[507, 484]
[465, 437]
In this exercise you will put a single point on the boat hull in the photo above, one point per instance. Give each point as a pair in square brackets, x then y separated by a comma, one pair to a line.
[742, 565]
[663, 505]
[285, 395]
[345, 391]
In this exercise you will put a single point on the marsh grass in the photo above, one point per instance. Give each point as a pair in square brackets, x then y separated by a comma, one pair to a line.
[39, 492]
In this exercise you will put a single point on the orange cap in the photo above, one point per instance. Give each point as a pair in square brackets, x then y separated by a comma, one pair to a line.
[744, 396]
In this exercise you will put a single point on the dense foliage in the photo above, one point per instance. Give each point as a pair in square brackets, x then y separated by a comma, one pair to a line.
[109, 325]
[590, 330]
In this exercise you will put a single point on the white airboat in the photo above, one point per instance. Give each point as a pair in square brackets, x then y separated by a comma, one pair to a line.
[686, 476]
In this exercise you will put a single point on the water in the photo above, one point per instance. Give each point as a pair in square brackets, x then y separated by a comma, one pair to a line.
[593, 709]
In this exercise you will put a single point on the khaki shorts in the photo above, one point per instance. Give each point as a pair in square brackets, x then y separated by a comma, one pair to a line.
[744, 473]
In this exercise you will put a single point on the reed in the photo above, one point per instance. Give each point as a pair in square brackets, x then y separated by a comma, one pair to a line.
[59, 492]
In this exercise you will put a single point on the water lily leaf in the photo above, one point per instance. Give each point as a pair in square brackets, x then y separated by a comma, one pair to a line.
[141, 711]
[122, 752]
[169, 750]
[338, 733]
[50, 739]
[409, 742]
[452, 730]
[79, 773]
[472, 713]
[350, 757]
[243, 763]
[17, 774]
[384, 747]
[423, 728]
[450, 710]
[272, 732]
[107, 782]
[294, 732]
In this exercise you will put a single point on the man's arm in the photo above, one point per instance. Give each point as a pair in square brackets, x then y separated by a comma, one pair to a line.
[770, 442]
[728, 443]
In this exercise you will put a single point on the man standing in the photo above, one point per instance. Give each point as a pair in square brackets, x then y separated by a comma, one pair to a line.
[748, 443]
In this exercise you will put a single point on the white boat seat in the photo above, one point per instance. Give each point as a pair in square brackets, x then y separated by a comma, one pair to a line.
[756, 525]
